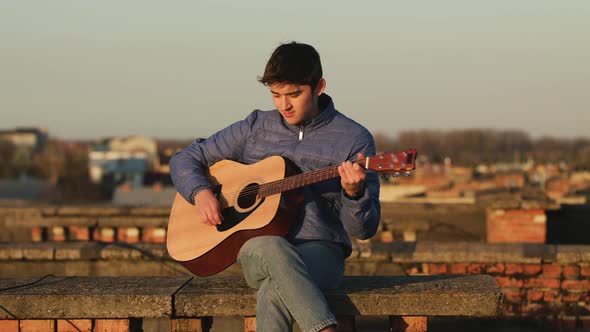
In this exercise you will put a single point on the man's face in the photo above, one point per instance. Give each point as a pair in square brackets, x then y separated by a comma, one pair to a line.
[297, 103]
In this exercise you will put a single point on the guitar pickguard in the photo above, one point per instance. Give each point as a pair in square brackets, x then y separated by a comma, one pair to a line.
[232, 217]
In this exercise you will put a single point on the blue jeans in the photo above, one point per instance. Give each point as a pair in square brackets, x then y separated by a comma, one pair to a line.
[289, 279]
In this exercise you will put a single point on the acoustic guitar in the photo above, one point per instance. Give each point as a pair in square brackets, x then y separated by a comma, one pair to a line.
[255, 200]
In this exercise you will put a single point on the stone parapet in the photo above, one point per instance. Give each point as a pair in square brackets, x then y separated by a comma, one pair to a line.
[474, 296]
[190, 303]
[88, 297]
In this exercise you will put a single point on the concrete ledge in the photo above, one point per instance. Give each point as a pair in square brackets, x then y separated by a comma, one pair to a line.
[475, 296]
[82, 297]
[123, 297]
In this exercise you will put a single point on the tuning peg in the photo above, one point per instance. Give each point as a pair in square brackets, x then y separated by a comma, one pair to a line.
[396, 174]
[386, 177]
[407, 173]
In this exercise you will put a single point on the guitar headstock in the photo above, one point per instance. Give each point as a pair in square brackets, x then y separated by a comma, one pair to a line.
[402, 162]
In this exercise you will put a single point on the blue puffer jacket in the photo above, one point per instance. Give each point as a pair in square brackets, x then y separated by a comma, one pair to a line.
[327, 140]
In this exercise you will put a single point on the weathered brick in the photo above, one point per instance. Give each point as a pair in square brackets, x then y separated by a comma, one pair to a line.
[573, 296]
[532, 269]
[128, 234]
[516, 226]
[250, 324]
[423, 267]
[408, 323]
[37, 325]
[37, 234]
[78, 233]
[458, 268]
[585, 271]
[111, 325]
[534, 295]
[104, 234]
[551, 271]
[497, 268]
[154, 235]
[189, 325]
[386, 237]
[58, 234]
[541, 283]
[9, 325]
[413, 270]
[507, 282]
[512, 269]
[571, 272]
[575, 284]
[476, 268]
[434, 269]
[551, 295]
[74, 325]
[513, 296]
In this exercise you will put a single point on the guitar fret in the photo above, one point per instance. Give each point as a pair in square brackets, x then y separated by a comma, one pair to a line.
[297, 181]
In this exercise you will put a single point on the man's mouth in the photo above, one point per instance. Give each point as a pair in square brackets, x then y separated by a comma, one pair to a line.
[289, 114]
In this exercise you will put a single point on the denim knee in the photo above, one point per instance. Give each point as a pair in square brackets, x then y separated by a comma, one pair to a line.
[265, 245]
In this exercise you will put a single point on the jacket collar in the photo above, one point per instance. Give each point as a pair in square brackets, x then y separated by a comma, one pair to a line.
[326, 115]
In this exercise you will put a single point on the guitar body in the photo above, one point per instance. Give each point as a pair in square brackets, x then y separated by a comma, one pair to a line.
[206, 250]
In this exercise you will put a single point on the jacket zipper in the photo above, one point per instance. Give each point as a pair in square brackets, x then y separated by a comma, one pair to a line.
[301, 133]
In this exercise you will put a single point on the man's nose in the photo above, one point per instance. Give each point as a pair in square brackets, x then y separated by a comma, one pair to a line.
[285, 104]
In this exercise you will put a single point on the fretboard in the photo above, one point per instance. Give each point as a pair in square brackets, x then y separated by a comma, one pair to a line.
[301, 180]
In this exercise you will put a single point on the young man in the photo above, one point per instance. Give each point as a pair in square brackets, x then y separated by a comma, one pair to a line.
[305, 128]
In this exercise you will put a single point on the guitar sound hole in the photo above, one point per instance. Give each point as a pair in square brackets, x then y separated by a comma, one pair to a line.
[247, 196]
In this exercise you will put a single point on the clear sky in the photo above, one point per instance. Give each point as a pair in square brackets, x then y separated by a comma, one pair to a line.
[183, 69]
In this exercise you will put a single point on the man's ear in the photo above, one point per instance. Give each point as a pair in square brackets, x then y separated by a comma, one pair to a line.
[319, 89]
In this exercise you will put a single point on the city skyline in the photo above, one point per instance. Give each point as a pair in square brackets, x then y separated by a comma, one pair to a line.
[91, 70]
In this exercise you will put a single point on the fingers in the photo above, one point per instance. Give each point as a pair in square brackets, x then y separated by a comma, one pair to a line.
[351, 172]
[215, 218]
[213, 214]
[352, 177]
[209, 208]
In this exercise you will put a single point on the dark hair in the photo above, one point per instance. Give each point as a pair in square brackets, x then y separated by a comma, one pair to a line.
[293, 63]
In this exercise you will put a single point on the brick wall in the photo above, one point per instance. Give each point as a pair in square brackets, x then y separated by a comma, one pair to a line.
[541, 282]
[92, 223]
[548, 283]
[516, 225]
[557, 187]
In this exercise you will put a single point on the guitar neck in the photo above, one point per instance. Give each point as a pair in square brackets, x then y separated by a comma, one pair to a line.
[302, 180]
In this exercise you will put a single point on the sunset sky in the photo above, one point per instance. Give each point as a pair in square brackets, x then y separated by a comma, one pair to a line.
[183, 69]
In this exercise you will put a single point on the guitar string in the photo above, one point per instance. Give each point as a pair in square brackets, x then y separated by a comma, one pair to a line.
[290, 181]
[279, 183]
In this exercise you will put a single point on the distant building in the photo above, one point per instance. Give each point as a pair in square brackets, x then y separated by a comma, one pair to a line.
[33, 138]
[118, 166]
[118, 160]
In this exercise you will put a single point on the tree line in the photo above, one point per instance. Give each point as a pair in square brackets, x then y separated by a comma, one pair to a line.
[468, 147]
[66, 163]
